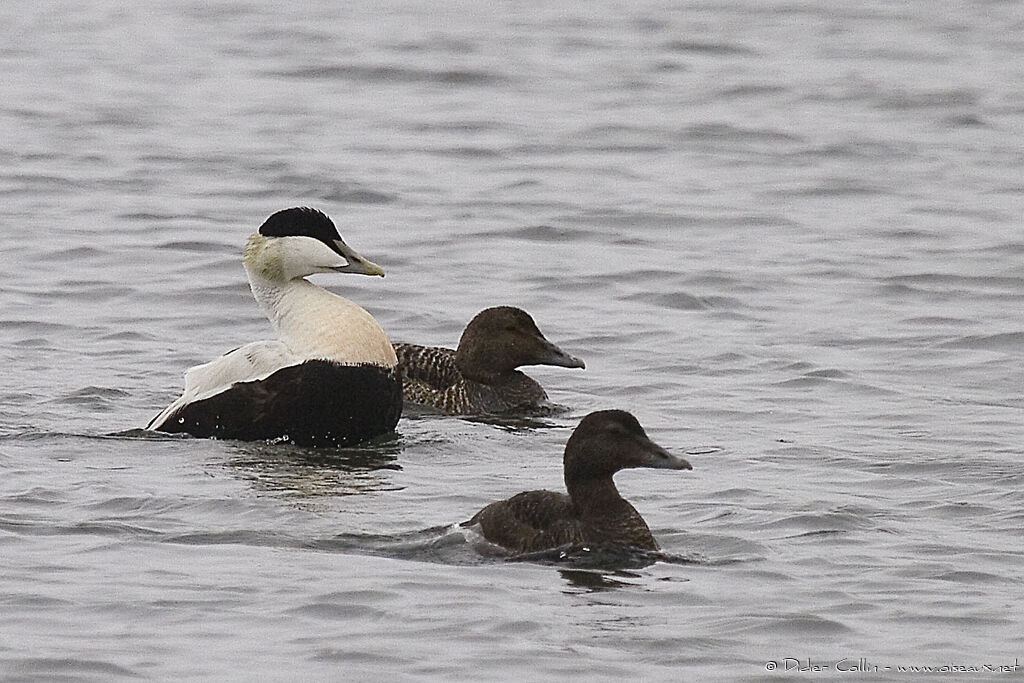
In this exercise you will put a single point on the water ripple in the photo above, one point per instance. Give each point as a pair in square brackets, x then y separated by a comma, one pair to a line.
[386, 74]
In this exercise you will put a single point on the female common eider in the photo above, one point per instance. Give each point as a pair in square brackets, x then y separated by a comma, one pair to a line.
[593, 512]
[480, 376]
[329, 380]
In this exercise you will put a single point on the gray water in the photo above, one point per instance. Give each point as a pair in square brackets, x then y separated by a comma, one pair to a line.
[786, 235]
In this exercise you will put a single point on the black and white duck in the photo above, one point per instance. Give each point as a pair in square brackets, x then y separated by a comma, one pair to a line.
[329, 379]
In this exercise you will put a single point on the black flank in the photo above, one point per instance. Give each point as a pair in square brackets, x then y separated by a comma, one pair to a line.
[317, 403]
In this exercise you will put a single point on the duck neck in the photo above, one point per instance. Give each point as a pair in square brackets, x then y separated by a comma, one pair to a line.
[595, 497]
[475, 366]
[315, 323]
[606, 515]
[285, 302]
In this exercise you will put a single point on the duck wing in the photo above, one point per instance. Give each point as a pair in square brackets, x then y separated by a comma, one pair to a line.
[433, 366]
[529, 521]
[431, 378]
[253, 361]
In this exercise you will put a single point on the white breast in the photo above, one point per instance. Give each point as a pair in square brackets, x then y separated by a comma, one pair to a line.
[312, 322]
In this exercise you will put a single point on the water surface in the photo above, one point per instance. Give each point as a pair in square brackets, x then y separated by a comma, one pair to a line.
[786, 236]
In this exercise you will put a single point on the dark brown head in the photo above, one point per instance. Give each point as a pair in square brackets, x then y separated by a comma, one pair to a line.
[500, 339]
[607, 441]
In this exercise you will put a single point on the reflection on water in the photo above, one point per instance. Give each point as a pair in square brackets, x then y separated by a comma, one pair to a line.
[604, 556]
[593, 581]
[313, 472]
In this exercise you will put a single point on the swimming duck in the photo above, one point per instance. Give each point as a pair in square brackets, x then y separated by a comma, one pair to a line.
[328, 380]
[480, 376]
[593, 512]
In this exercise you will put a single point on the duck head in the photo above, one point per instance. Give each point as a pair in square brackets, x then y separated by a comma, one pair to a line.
[607, 441]
[297, 242]
[500, 339]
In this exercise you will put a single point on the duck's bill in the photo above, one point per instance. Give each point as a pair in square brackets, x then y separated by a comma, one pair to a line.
[555, 356]
[658, 458]
[355, 263]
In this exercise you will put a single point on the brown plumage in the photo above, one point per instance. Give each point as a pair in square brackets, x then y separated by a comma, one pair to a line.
[593, 512]
[480, 376]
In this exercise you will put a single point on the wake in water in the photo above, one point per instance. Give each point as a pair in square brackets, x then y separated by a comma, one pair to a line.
[455, 544]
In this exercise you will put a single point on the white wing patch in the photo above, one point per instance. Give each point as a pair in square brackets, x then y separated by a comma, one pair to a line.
[253, 361]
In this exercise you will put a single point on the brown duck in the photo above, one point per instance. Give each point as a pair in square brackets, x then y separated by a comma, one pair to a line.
[593, 512]
[480, 376]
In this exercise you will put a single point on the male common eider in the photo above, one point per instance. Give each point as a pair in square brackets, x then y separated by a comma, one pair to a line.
[329, 380]
[602, 444]
[480, 376]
